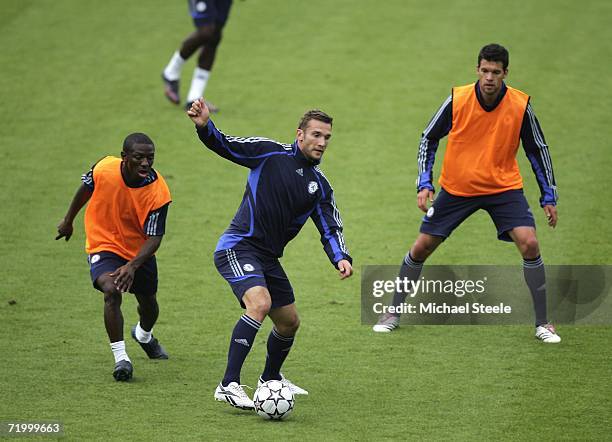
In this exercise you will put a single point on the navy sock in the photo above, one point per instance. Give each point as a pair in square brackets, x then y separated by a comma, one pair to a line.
[278, 349]
[242, 340]
[535, 277]
[411, 270]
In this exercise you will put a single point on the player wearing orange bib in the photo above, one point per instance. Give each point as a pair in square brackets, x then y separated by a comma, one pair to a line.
[485, 122]
[124, 225]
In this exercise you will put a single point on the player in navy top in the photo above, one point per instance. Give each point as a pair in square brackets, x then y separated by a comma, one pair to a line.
[285, 187]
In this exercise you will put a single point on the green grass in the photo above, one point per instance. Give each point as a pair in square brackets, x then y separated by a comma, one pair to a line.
[76, 79]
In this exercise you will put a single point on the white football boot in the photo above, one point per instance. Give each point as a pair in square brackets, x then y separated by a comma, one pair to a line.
[547, 333]
[294, 388]
[234, 395]
[386, 323]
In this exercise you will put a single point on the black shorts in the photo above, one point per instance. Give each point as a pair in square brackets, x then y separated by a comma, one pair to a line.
[243, 269]
[209, 11]
[145, 278]
[507, 210]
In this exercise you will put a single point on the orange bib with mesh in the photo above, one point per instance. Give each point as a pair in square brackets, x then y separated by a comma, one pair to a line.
[480, 156]
[116, 214]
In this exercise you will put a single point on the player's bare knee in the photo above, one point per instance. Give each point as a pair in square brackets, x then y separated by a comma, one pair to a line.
[261, 307]
[286, 321]
[291, 327]
[205, 35]
[424, 246]
[258, 302]
[112, 297]
[420, 251]
[146, 300]
[530, 247]
[215, 38]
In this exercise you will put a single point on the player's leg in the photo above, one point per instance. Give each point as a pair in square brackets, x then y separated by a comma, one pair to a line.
[410, 270]
[281, 338]
[144, 289]
[148, 312]
[444, 216]
[257, 302]
[171, 74]
[142, 332]
[286, 321]
[533, 269]
[210, 27]
[204, 33]
[102, 264]
[244, 273]
[113, 317]
[208, 52]
[201, 73]
[210, 36]
[113, 321]
[203, 13]
[535, 277]
[514, 222]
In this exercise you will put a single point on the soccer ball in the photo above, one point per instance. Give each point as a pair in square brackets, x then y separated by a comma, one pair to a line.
[273, 400]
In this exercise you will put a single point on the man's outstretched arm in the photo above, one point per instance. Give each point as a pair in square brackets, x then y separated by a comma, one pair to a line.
[249, 152]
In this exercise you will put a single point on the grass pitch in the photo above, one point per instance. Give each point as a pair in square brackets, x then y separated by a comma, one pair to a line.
[77, 79]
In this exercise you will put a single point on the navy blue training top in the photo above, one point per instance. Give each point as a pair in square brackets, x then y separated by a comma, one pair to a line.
[283, 190]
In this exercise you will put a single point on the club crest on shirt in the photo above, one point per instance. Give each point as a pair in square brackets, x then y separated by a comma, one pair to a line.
[312, 187]
[248, 267]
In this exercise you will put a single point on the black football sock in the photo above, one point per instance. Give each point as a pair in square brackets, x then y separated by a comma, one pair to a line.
[535, 277]
[278, 349]
[410, 270]
[242, 340]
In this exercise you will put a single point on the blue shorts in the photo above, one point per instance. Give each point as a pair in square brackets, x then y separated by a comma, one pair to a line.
[145, 278]
[243, 269]
[209, 11]
[507, 210]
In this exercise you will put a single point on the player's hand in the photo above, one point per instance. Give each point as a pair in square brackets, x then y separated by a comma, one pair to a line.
[551, 215]
[124, 277]
[422, 197]
[199, 113]
[64, 230]
[345, 268]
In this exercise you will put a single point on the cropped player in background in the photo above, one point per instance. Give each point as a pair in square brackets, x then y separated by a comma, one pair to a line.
[484, 122]
[209, 18]
[285, 187]
[124, 225]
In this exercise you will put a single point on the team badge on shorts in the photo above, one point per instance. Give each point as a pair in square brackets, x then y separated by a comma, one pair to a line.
[94, 259]
[430, 212]
[200, 6]
[312, 187]
[248, 268]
